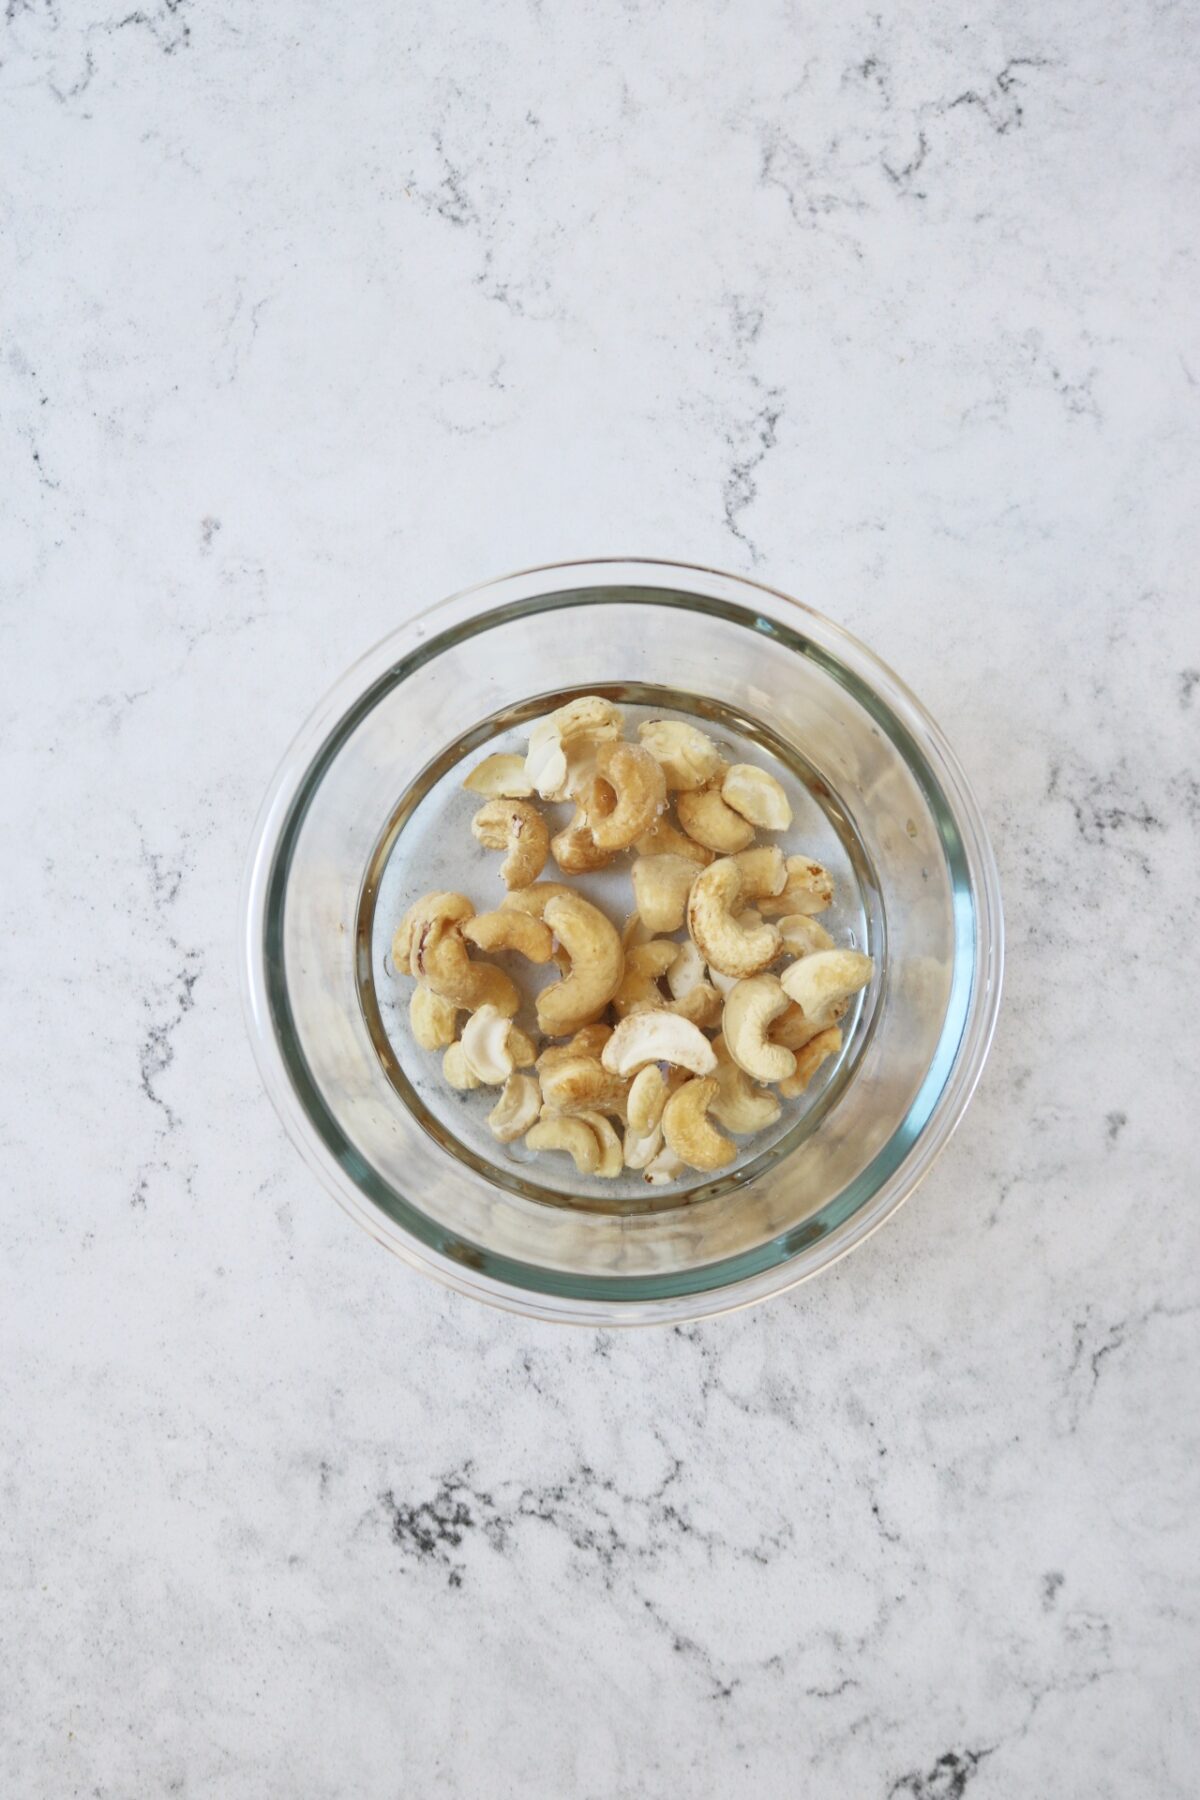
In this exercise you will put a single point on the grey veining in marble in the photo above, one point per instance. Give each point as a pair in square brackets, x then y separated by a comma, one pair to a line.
[312, 313]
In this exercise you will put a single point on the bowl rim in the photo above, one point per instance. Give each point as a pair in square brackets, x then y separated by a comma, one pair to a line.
[961, 1078]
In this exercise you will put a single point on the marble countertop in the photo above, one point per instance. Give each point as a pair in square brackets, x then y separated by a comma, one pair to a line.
[312, 314]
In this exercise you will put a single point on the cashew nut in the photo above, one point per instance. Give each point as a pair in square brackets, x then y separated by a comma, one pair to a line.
[686, 971]
[486, 1047]
[562, 746]
[555, 1131]
[688, 757]
[793, 1030]
[590, 1041]
[516, 1110]
[641, 1148]
[665, 839]
[499, 777]
[433, 1020]
[820, 983]
[802, 935]
[440, 960]
[640, 789]
[645, 965]
[661, 885]
[582, 1084]
[749, 1010]
[647, 1097]
[424, 917]
[510, 929]
[533, 899]
[458, 1071]
[612, 1158]
[597, 964]
[657, 1037]
[519, 828]
[827, 1043]
[712, 920]
[739, 1105]
[757, 796]
[635, 931]
[665, 1167]
[702, 1005]
[705, 817]
[763, 869]
[575, 850]
[808, 889]
[687, 1130]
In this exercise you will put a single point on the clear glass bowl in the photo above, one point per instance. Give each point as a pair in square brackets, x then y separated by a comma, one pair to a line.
[367, 812]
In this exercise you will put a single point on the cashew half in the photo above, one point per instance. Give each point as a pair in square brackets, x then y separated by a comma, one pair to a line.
[575, 1136]
[499, 777]
[458, 1071]
[705, 817]
[687, 1130]
[432, 912]
[647, 1097]
[434, 1021]
[827, 1043]
[688, 757]
[665, 839]
[739, 1105]
[712, 908]
[686, 972]
[519, 828]
[819, 984]
[808, 889]
[562, 746]
[485, 1044]
[757, 796]
[597, 964]
[802, 935]
[665, 1167]
[645, 965]
[516, 1110]
[612, 1157]
[661, 885]
[657, 1037]
[794, 1031]
[763, 871]
[641, 1148]
[510, 929]
[749, 1010]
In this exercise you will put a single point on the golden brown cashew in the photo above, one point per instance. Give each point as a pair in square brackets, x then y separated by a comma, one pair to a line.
[657, 1037]
[519, 828]
[575, 1136]
[665, 839]
[645, 965]
[640, 789]
[647, 1097]
[819, 984]
[441, 961]
[516, 1110]
[434, 1021]
[597, 964]
[751, 1007]
[661, 885]
[425, 916]
[827, 1043]
[687, 1130]
[808, 889]
[499, 777]
[739, 1105]
[712, 908]
[576, 851]
[705, 817]
[510, 929]
[757, 796]
[763, 871]
[794, 1031]
[533, 899]
[688, 757]
[582, 1084]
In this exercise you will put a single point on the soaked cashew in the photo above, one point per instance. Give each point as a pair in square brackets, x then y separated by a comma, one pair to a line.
[641, 1148]
[664, 1168]
[661, 885]
[516, 1110]
[763, 871]
[519, 828]
[591, 1040]
[713, 906]
[687, 1130]
[434, 1021]
[705, 817]
[458, 1071]
[808, 889]
[822, 983]
[640, 789]
[657, 1037]
[499, 777]
[431, 913]
[533, 899]
[688, 757]
[794, 1031]
[597, 964]
[510, 929]
[702, 1005]
[809, 1058]
[576, 851]
[665, 839]
[757, 796]
[441, 961]
[635, 931]
[647, 1097]
[750, 1009]
[612, 1158]
[686, 972]
[802, 935]
[645, 965]
[739, 1105]
[485, 1045]
[555, 1131]
[562, 747]
[582, 1084]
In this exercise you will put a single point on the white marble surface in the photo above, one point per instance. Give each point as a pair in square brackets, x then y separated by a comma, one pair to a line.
[311, 313]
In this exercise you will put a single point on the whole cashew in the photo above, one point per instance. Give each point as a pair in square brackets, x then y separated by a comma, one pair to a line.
[645, 965]
[687, 1130]
[441, 961]
[808, 889]
[819, 984]
[712, 908]
[647, 1097]
[516, 1110]
[557, 1132]
[425, 916]
[487, 1044]
[657, 1037]
[688, 757]
[612, 1158]
[665, 839]
[519, 828]
[582, 1084]
[499, 777]
[510, 929]
[757, 796]
[597, 964]
[809, 1058]
[738, 1104]
[575, 849]
[661, 885]
[434, 1021]
[749, 1010]
[705, 817]
[640, 789]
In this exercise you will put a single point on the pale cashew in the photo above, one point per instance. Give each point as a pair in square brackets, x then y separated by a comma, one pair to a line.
[510, 929]
[424, 917]
[749, 1010]
[702, 1005]
[827, 1043]
[582, 1084]
[757, 796]
[688, 757]
[640, 789]
[712, 921]
[705, 817]
[562, 746]
[555, 1131]
[665, 1167]
[808, 889]
[687, 970]
[657, 1037]
[641, 1148]
[516, 1110]
[612, 1158]
[802, 935]
[645, 965]
[763, 871]
[661, 885]
[739, 1105]
[434, 1021]
[819, 984]
[794, 1031]
[533, 899]
[458, 1071]
[576, 851]
[499, 777]
[597, 964]
[485, 1044]
[519, 828]
[665, 839]
[647, 1097]
[687, 1130]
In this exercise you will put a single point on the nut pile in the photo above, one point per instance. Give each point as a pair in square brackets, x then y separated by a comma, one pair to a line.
[676, 1041]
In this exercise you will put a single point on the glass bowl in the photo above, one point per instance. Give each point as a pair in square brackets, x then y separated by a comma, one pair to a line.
[367, 812]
